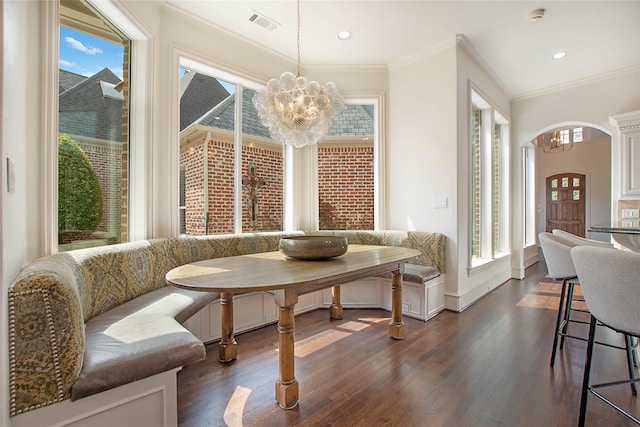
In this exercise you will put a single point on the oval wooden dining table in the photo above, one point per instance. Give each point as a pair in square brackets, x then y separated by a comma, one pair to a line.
[287, 278]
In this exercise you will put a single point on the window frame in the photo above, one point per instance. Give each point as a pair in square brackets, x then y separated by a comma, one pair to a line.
[241, 81]
[492, 219]
[300, 165]
[377, 101]
[139, 121]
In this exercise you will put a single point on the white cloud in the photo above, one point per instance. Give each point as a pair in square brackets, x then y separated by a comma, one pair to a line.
[75, 44]
[67, 63]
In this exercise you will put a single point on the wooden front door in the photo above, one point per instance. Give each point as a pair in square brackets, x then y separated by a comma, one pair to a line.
[565, 203]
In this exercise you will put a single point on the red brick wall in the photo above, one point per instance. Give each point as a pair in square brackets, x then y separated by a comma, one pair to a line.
[107, 164]
[124, 196]
[192, 162]
[221, 205]
[345, 187]
[269, 166]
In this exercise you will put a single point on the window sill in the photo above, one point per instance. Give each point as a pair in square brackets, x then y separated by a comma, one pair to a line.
[482, 264]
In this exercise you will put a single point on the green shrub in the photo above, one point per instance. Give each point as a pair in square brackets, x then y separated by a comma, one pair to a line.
[79, 193]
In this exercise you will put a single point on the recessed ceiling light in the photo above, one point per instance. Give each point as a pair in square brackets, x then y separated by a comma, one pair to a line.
[344, 35]
[559, 55]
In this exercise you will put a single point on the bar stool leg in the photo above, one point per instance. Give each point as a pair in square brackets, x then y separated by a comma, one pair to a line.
[632, 374]
[558, 322]
[567, 312]
[587, 372]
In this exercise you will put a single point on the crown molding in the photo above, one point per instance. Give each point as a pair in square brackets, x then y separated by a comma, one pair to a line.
[371, 68]
[577, 83]
[626, 121]
[424, 54]
[463, 43]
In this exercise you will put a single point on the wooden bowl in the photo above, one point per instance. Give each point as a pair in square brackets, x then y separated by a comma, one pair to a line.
[313, 247]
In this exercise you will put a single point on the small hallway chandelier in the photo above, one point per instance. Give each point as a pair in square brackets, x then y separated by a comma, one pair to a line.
[298, 112]
[557, 141]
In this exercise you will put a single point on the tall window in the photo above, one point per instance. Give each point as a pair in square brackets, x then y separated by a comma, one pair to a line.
[93, 141]
[528, 159]
[229, 183]
[346, 172]
[476, 183]
[489, 139]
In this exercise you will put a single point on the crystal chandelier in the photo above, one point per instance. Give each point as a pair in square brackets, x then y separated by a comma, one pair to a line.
[298, 112]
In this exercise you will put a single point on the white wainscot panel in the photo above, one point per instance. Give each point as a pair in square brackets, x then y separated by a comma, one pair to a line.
[151, 401]
[250, 311]
[363, 293]
[420, 301]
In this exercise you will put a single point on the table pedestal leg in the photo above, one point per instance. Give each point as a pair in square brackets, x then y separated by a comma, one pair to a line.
[228, 347]
[335, 311]
[396, 327]
[287, 386]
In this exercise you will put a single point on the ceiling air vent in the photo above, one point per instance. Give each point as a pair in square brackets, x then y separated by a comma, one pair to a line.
[263, 21]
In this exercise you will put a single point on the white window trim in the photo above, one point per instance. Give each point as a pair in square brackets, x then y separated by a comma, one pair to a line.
[140, 97]
[192, 61]
[490, 115]
[379, 198]
[300, 209]
[50, 74]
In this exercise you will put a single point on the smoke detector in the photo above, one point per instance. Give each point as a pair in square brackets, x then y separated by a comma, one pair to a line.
[263, 21]
[536, 15]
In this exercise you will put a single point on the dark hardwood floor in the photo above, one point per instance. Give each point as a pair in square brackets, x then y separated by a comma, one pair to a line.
[486, 366]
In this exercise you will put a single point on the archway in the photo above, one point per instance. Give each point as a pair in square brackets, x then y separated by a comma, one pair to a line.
[579, 149]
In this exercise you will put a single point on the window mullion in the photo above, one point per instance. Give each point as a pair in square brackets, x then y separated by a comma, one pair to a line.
[487, 184]
[237, 161]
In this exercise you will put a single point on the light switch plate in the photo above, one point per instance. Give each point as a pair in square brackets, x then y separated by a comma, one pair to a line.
[630, 213]
[439, 202]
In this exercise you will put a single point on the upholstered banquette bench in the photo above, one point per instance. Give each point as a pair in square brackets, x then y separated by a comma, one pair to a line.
[94, 333]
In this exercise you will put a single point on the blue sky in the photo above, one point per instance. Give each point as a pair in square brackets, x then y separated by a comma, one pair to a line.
[83, 54]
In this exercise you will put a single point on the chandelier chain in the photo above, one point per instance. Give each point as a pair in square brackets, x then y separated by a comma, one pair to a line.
[298, 39]
[297, 111]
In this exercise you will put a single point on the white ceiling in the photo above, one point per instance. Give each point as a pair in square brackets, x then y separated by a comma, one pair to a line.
[600, 37]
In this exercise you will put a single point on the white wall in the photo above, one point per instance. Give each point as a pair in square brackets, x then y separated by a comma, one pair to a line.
[421, 150]
[428, 157]
[474, 283]
[21, 142]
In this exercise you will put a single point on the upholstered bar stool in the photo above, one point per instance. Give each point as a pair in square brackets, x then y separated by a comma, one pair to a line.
[580, 241]
[575, 241]
[610, 281]
[557, 254]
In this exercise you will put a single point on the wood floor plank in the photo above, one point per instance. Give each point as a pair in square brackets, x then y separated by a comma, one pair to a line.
[486, 366]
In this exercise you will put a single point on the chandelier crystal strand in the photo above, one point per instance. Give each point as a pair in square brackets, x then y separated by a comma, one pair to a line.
[298, 112]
